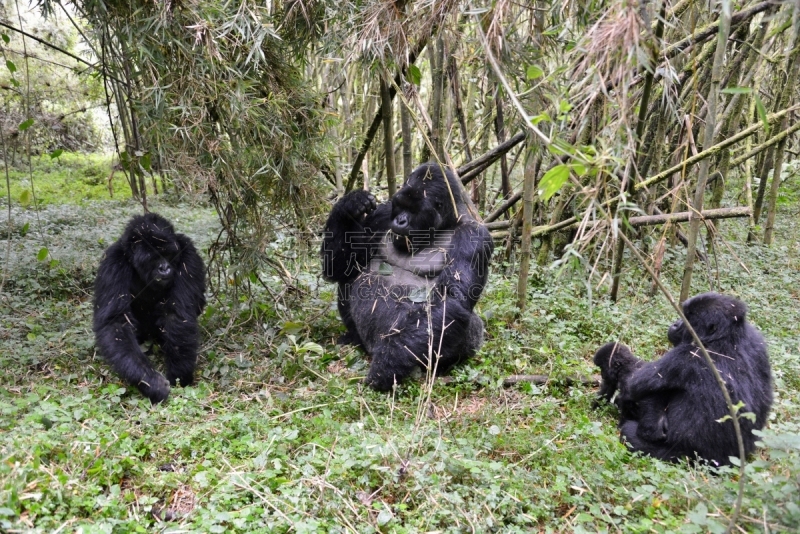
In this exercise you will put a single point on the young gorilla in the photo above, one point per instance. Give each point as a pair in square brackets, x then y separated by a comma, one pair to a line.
[150, 286]
[409, 272]
[669, 408]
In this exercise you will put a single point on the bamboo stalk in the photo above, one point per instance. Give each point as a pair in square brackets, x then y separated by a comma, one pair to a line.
[770, 142]
[639, 220]
[700, 156]
[376, 122]
[470, 171]
[708, 138]
[388, 137]
[791, 67]
[527, 226]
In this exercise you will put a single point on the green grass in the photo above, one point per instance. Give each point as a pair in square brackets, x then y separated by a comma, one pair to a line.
[70, 178]
[278, 437]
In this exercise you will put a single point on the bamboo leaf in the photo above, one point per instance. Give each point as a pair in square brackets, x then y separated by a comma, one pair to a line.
[414, 75]
[25, 125]
[534, 71]
[11, 67]
[5, 38]
[145, 161]
[737, 91]
[553, 180]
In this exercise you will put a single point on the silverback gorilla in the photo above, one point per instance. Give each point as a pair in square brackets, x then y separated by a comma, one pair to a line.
[150, 286]
[409, 273]
[671, 408]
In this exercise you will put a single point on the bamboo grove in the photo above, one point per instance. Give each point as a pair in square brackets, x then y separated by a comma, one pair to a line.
[574, 126]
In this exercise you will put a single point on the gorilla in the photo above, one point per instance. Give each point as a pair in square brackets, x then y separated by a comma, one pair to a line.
[150, 286]
[671, 408]
[409, 272]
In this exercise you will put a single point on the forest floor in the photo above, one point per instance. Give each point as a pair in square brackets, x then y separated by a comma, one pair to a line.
[279, 434]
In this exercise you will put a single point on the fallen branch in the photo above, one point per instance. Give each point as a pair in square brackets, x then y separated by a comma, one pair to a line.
[714, 149]
[641, 220]
[503, 207]
[760, 148]
[512, 380]
[539, 380]
[470, 171]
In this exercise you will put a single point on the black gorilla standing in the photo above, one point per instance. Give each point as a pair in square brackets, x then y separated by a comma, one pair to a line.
[409, 272]
[670, 408]
[150, 287]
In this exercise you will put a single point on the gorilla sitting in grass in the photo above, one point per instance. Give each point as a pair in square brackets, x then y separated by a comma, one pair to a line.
[409, 272]
[673, 408]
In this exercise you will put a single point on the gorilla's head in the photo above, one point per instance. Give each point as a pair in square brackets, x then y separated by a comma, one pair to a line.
[151, 247]
[427, 203]
[713, 316]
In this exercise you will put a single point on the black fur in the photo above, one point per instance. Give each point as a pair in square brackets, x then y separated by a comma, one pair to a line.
[669, 408]
[150, 286]
[409, 272]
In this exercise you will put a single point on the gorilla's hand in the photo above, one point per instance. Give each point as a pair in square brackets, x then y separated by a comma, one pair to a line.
[357, 205]
[155, 387]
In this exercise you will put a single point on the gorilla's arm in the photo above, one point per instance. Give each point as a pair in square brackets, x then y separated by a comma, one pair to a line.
[353, 227]
[467, 268]
[178, 326]
[115, 326]
[677, 370]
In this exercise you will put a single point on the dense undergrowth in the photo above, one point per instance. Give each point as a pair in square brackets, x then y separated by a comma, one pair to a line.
[279, 434]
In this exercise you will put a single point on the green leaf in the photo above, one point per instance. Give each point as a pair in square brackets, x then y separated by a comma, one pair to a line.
[414, 75]
[736, 91]
[553, 180]
[56, 153]
[564, 106]
[542, 117]
[42, 255]
[384, 516]
[5, 38]
[144, 161]
[25, 228]
[25, 197]
[125, 160]
[534, 71]
[762, 112]
[11, 67]
[310, 346]
[25, 125]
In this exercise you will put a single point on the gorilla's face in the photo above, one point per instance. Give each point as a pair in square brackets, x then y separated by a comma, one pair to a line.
[412, 210]
[676, 332]
[153, 251]
[421, 208]
[712, 316]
